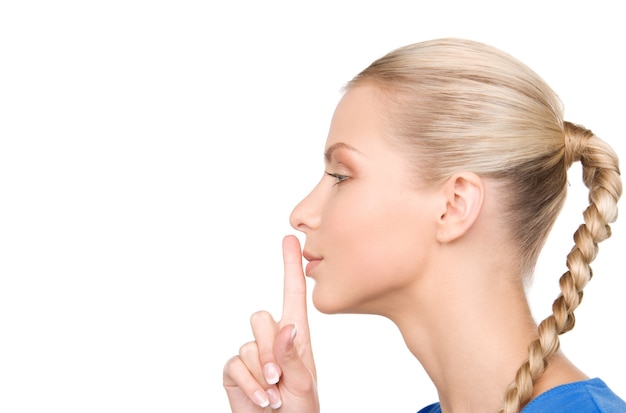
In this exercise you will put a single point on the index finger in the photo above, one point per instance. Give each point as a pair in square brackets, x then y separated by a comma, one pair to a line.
[294, 291]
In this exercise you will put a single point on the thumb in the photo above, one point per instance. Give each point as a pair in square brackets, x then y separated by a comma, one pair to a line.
[296, 379]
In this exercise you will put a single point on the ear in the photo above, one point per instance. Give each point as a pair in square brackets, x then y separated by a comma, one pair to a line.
[463, 196]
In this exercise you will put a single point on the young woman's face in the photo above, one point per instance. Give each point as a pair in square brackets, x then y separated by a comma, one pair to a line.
[368, 229]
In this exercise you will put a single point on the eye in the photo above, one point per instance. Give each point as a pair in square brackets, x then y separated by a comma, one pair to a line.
[338, 177]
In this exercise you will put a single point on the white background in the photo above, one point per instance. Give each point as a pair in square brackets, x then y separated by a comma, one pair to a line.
[150, 155]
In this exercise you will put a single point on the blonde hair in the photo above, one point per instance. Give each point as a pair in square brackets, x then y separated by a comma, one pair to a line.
[463, 105]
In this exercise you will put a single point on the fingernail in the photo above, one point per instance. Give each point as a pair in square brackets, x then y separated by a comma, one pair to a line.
[294, 331]
[260, 398]
[271, 373]
[275, 401]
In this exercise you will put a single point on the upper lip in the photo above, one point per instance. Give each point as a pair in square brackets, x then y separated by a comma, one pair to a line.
[310, 257]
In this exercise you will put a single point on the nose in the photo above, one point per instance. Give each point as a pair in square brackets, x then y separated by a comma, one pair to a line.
[307, 214]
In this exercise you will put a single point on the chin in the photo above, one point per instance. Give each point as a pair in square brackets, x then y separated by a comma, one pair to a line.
[323, 304]
[334, 303]
[327, 303]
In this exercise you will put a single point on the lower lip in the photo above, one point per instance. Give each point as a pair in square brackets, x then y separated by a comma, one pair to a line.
[311, 266]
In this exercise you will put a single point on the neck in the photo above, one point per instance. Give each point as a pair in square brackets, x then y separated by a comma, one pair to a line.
[472, 349]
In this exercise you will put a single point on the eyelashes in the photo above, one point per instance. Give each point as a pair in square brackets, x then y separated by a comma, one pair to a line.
[338, 177]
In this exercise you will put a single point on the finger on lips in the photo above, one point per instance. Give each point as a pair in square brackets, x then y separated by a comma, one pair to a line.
[294, 290]
[258, 368]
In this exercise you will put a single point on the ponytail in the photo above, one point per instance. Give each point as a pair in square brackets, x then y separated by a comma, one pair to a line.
[601, 175]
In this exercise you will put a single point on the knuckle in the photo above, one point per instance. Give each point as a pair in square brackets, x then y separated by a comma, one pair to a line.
[230, 366]
[249, 348]
[260, 317]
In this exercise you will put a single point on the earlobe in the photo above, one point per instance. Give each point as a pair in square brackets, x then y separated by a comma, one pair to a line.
[463, 196]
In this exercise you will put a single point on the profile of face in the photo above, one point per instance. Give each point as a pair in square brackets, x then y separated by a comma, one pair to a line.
[369, 229]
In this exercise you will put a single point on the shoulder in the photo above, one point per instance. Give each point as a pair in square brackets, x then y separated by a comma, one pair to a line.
[588, 396]
[433, 408]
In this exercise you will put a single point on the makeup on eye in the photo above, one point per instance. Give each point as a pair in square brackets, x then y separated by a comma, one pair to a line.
[340, 178]
[341, 156]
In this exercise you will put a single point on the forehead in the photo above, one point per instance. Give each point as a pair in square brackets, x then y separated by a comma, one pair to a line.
[358, 120]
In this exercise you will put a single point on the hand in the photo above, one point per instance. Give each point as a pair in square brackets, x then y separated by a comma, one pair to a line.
[277, 370]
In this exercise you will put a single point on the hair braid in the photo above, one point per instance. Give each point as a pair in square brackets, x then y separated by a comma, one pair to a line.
[602, 176]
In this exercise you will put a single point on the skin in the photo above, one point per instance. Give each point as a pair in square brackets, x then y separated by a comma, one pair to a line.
[437, 262]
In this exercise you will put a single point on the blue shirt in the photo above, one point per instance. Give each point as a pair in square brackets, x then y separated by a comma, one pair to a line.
[588, 396]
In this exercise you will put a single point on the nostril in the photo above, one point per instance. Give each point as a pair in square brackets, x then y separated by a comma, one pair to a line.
[302, 227]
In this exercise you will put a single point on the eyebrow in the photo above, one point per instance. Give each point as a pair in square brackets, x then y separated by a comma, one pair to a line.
[339, 145]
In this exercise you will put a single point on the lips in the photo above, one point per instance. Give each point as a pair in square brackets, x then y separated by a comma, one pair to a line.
[313, 262]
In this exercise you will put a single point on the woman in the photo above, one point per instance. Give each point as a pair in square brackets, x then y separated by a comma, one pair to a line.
[446, 167]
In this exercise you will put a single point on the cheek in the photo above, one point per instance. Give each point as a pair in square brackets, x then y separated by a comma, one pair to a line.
[380, 224]
[376, 246]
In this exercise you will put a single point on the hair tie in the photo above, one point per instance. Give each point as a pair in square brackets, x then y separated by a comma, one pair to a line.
[575, 140]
